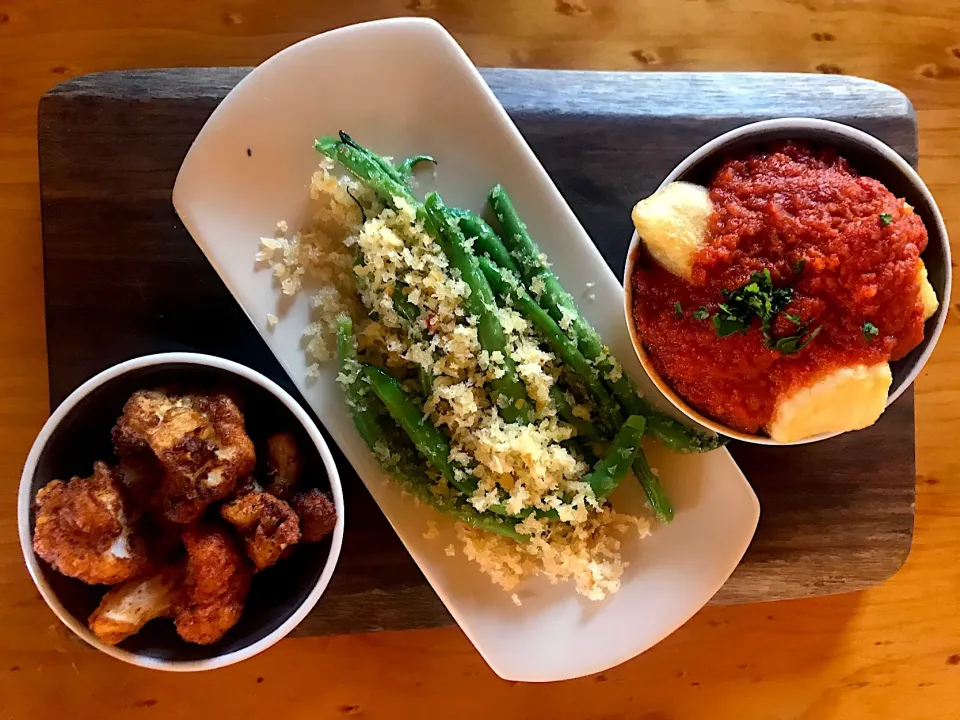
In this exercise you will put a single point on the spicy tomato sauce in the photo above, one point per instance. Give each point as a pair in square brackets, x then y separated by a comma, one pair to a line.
[849, 248]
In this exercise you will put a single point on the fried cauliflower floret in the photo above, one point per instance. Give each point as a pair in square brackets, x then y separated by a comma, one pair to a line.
[84, 531]
[200, 440]
[140, 474]
[128, 607]
[246, 486]
[267, 525]
[284, 464]
[177, 501]
[317, 514]
[216, 585]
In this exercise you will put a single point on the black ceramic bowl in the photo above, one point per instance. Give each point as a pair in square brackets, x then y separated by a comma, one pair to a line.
[78, 433]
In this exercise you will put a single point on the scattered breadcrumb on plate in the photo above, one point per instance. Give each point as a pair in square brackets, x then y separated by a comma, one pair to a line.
[516, 600]
[432, 533]
[272, 320]
[450, 550]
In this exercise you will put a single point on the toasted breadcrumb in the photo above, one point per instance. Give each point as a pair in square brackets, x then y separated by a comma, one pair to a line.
[355, 256]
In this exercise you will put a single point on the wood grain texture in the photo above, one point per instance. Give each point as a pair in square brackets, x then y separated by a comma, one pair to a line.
[888, 652]
[115, 259]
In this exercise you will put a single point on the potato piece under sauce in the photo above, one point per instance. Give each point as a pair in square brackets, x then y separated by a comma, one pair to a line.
[850, 398]
[673, 225]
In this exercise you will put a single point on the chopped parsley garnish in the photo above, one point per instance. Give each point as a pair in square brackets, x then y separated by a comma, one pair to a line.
[870, 331]
[678, 309]
[799, 265]
[886, 219]
[793, 344]
[701, 314]
[759, 298]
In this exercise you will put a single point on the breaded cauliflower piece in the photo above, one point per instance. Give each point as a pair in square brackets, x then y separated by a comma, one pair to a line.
[318, 516]
[128, 607]
[140, 474]
[216, 585]
[267, 524]
[83, 529]
[200, 441]
[284, 464]
[246, 486]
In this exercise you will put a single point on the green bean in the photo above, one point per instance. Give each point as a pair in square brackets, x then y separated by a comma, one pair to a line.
[429, 441]
[614, 465]
[397, 461]
[480, 303]
[486, 240]
[556, 300]
[367, 168]
[406, 167]
[563, 347]
[656, 496]
[585, 428]
[371, 171]
[384, 164]
[357, 391]
[410, 314]
[559, 303]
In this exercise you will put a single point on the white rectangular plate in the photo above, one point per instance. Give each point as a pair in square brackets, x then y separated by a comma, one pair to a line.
[405, 87]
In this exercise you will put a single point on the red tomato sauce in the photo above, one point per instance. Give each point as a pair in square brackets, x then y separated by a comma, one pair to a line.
[781, 208]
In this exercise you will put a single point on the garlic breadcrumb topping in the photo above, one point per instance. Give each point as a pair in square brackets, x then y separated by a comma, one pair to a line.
[358, 257]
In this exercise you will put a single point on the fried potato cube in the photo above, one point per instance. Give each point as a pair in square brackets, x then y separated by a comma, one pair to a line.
[318, 516]
[216, 585]
[129, 606]
[267, 524]
[84, 531]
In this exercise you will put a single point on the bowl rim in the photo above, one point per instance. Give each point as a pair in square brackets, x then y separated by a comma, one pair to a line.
[759, 128]
[25, 500]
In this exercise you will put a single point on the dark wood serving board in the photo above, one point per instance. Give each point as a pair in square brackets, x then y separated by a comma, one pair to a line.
[123, 278]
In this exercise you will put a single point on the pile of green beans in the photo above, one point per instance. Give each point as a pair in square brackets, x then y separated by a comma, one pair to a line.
[501, 269]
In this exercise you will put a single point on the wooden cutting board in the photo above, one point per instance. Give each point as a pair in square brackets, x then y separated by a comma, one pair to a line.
[123, 278]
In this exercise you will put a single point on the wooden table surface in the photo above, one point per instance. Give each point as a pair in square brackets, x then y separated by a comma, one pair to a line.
[889, 652]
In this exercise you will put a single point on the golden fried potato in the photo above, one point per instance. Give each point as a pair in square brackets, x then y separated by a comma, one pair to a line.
[128, 607]
[84, 531]
[284, 464]
[216, 585]
[200, 441]
[266, 523]
[318, 516]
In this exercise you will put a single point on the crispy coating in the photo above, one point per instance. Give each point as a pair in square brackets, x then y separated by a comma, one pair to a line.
[216, 585]
[267, 524]
[317, 514]
[246, 486]
[84, 530]
[284, 464]
[140, 474]
[200, 441]
[129, 606]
